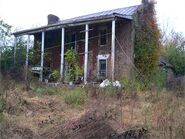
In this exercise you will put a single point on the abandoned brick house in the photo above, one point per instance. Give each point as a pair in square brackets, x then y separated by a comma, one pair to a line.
[103, 41]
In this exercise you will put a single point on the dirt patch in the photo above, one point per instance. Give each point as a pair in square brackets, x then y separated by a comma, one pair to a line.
[92, 125]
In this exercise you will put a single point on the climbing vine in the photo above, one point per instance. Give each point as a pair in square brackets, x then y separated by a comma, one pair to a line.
[147, 44]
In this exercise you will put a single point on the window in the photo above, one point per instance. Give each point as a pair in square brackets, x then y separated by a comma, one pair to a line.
[103, 36]
[102, 68]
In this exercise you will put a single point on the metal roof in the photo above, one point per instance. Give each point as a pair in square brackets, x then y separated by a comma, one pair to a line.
[126, 12]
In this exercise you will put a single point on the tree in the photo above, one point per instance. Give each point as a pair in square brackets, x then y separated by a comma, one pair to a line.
[5, 34]
[7, 50]
[147, 40]
[174, 51]
[74, 67]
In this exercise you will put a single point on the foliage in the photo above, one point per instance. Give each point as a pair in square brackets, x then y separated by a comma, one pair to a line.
[147, 43]
[137, 83]
[7, 50]
[67, 78]
[55, 75]
[175, 52]
[43, 90]
[74, 68]
[158, 79]
[5, 33]
[7, 57]
[133, 84]
[74, 97]
[34, 54]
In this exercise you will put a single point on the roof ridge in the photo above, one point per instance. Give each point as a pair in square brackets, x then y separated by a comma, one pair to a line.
[99, 12]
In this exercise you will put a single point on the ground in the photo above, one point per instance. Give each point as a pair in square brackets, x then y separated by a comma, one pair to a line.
[50, 113]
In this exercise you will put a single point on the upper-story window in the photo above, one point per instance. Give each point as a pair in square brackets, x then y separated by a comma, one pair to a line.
[103, 36]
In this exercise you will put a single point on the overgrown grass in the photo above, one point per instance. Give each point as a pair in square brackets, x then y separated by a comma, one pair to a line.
[76, 96]
[43, 90]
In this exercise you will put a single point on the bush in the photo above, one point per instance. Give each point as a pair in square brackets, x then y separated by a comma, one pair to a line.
[43, 90]
[174, 52]
[55, 75]
[176, 57]
[133, 84]
[74, 68]
[158, 78]
[75, 97]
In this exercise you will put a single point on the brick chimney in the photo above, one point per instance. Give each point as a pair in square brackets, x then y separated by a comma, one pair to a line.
[52, 19]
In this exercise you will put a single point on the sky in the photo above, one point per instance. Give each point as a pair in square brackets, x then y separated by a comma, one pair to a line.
[24, 14]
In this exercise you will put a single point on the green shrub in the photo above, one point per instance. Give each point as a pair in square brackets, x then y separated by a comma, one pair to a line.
[74, 68]
[176, 57]
[55, 75]
[44, 90]
[39, 91]
[158, 79]
[133, 84]
[74, 97]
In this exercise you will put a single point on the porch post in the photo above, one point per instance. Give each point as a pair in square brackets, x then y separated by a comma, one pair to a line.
[62, 53]
[42, 56]
[15, 45]
[86, 52]
[113, 48]
[27, 51]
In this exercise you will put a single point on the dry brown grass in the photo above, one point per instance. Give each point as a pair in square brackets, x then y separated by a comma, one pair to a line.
[28, 115]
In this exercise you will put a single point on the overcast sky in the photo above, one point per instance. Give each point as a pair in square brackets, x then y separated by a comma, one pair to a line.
[31, 13]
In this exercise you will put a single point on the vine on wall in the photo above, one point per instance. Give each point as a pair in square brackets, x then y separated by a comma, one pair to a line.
[147, 44]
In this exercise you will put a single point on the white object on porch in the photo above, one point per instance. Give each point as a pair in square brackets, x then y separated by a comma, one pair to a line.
[107, 83]
[116, 84]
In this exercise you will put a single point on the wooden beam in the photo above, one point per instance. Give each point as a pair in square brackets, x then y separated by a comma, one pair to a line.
[62, 53]
[42, 56]
[27, 52]
[86, 52]
[113, 49]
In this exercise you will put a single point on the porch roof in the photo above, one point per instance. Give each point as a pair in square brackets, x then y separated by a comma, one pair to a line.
[126, 12]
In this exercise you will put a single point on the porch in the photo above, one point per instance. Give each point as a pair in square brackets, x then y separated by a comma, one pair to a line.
[93, 43]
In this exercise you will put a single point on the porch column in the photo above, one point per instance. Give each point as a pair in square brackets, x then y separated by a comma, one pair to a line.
[26, 64]
[86, 52]
[42, 56]
[62, 53]
[113, 48]
[15, 45]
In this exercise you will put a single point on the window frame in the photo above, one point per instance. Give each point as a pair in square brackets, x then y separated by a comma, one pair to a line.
[106, 36]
